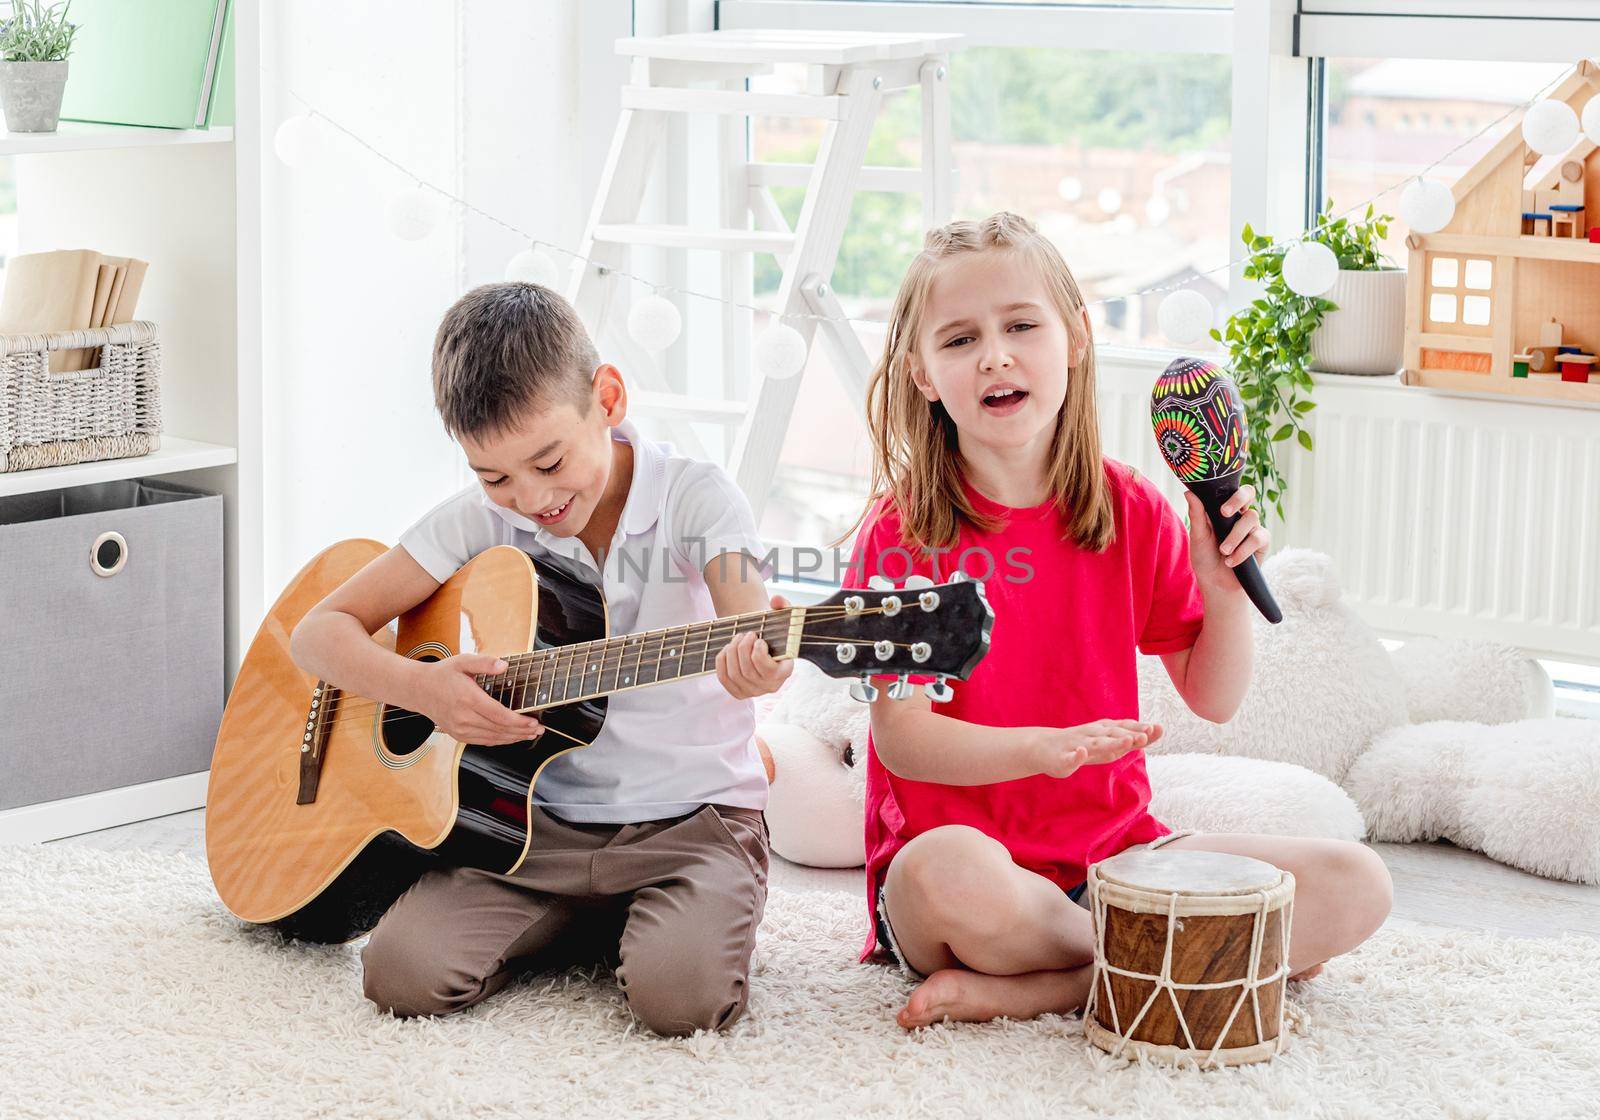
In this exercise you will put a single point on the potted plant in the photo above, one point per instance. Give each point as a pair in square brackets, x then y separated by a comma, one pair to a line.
[1271, 341]
[34, 44]
[1365, 331]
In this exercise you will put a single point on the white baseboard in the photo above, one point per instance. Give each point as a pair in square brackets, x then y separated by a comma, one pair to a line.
[51, 820]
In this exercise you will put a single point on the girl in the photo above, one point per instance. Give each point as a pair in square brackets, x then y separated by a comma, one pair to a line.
[984, 814]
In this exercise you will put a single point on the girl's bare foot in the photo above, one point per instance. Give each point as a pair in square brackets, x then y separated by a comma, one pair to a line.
[977, 997]
[1308, 973]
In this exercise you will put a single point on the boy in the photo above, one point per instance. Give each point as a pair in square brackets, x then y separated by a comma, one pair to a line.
[648, 847]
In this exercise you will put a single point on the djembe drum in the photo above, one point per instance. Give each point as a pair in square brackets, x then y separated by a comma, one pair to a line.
[1191, 951]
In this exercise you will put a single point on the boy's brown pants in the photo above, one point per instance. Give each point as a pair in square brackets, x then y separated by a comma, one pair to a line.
[673, 903]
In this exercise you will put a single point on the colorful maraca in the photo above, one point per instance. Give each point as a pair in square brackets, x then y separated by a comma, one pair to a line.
[1199, 423]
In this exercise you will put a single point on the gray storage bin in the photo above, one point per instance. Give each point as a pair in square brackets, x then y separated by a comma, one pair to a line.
[111, 669]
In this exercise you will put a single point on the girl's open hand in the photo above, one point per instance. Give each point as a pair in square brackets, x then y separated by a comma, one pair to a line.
[1212, 559]
[747, 669]
[1061, 750]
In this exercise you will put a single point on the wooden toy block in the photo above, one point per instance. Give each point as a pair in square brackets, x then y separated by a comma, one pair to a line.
[1519, 365]
[1576, 367]
[1550, 332]
[1542, 359]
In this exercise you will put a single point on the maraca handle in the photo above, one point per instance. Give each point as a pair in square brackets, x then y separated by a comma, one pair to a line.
[1249, 573]
[1212, 492]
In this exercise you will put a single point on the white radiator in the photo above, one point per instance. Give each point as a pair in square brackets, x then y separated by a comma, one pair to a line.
[1446, 515]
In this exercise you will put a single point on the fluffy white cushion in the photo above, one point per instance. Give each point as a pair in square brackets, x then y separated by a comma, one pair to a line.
[1211, 793]
[1479, 682]
[814, 810]
[1523, 793]
[1323, 684]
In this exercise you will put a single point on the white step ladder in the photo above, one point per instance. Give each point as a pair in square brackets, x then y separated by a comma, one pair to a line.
[848, 74]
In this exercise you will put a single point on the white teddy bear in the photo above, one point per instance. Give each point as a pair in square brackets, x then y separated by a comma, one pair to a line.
[1327, 707]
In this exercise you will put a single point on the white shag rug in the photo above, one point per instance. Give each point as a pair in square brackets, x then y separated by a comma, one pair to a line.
[126, 991]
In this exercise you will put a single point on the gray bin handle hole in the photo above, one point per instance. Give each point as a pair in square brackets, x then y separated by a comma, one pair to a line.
[109, 553]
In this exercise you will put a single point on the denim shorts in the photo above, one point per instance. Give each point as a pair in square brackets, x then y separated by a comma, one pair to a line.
[1078, 894]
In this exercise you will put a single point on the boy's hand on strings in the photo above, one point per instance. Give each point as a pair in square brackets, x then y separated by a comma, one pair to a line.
[747, 668]
[1061, 751]
[459, 706]
[1213, 560]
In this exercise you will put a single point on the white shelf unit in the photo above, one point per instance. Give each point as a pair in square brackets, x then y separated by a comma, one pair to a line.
[174, 455]
[79, 136]
[189, 203]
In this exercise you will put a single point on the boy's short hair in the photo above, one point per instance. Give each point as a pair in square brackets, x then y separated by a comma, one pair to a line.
[503, 349]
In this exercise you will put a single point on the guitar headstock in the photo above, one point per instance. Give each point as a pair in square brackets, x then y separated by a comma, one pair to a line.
[919, 628]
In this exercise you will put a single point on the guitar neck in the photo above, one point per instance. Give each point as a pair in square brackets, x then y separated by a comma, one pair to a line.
[565, 674]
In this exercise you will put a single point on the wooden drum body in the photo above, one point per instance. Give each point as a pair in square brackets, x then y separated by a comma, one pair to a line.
[1190, 958]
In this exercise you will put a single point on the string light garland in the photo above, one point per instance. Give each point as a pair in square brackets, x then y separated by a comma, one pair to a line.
[1425, 205]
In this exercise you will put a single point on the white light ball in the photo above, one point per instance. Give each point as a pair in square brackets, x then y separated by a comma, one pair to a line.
[1310, 268]
[298, 140]
[1185, 316]
[414, 213]
[1157, 209]
[1070, 189]
[1427, 206]
[1550, 127]
[654, 323]
[1591, 119]
[533, 266]
[780, 352]
[1110, 200]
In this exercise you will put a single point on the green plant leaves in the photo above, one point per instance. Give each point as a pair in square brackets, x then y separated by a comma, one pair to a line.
[1269, 342]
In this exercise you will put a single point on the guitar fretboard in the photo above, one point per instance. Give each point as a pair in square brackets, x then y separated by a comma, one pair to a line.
[565, 674]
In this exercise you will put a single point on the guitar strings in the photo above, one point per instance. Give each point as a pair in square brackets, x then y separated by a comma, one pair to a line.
[403, 714]
[521, 679]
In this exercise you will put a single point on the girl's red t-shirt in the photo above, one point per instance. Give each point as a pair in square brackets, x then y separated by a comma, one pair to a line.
[1066, 624]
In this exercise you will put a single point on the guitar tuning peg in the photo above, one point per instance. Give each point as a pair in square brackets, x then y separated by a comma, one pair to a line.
[863, 690]
[916, 583]
[900, 689]
[880, 583]
[938, 691]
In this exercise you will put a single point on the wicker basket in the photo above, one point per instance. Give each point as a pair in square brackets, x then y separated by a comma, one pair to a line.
[110, 412]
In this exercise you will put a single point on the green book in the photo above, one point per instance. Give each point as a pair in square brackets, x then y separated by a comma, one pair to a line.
[144, 62]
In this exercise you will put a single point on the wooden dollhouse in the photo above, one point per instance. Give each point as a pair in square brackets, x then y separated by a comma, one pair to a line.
[1506, 297]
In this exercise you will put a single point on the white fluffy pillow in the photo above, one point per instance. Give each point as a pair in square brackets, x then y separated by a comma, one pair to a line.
[1522, 793]
[1476, 682]
[1214, 793]
[1323, 684]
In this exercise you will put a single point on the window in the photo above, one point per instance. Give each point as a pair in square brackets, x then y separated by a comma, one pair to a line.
[1451, 284]
[1390, 118]
[1123, 160]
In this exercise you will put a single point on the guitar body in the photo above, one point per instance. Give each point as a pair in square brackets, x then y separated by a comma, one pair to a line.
[322, 854]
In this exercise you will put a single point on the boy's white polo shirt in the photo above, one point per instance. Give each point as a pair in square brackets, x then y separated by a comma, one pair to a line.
[667, 749]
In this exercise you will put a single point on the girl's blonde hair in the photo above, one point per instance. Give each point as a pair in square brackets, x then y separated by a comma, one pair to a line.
[916, 464]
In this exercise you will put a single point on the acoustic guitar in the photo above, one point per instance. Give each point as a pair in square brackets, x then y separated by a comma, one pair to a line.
[324, 806]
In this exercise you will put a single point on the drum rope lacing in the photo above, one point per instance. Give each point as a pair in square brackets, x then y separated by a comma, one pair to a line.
[1251, 983]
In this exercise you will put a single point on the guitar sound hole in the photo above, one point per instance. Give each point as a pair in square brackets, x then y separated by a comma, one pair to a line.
[405, 731]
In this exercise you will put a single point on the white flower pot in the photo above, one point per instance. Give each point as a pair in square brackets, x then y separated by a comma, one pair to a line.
[31, 94]
[1368, 332]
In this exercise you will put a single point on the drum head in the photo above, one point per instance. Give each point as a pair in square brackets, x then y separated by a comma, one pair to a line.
[1189, 873]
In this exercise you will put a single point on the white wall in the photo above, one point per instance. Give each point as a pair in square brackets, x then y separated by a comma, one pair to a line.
[507, 103]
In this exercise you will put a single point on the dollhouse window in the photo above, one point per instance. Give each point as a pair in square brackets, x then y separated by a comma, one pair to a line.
[1454, 284]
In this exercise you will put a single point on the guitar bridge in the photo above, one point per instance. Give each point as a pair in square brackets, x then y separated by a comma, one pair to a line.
[313, 739]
